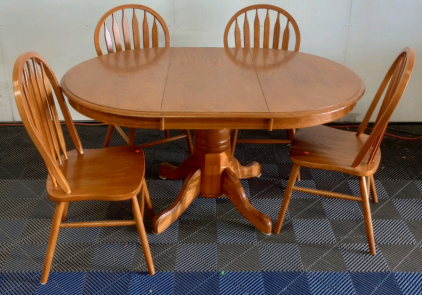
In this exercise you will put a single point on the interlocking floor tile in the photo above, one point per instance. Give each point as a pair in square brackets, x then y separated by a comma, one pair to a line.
[196, 257]
[28, 189]
[113, 257]
[391, 172]
[286, 235]
[87, 211]
[384, 209]
[281, 154]
[409, 282]
[163, 256]
[235, 257]
[11, 170]
[318, 174]
[270, 170]
[200, 231]
[341, 209]
[36, 231]
[262, 156]
[17, 208]
[334, 185]
[375, 283]
[106, 283]
[10, 230]
[196, 283]
[73, 257]
[5, 186]
[5, 250]
[280, 257]
[226, 210]
[402, 257]
[358, 259]
[302, 195]
[212, 249]
[200, 208]
[17, 155]
[169, 236]
[306, 209]
[286, 282]
[321, 257]
[325, 283]
[81, 235]
[235, 232]
[63, 283]
[313, 231]
[265, 187]
[34, 171]
[392, 232]
[143, 283]
[19, 282]
[168, 189]
[401, 189]
[415, 227]
[44, 209]
[409, 209]
[25, 258]
[349, 231]
[270, 207]
[241, 283]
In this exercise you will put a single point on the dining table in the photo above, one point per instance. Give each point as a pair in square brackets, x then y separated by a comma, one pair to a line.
[211, 91]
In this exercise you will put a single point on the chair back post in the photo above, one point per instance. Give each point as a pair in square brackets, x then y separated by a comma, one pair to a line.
[256, 28]
[136, 36]
[397, 79]
[34, 84]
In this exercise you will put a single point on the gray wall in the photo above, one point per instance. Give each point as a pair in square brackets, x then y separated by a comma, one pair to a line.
[364, 35]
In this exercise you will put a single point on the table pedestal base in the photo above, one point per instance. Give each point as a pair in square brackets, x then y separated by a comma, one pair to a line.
[211, 172]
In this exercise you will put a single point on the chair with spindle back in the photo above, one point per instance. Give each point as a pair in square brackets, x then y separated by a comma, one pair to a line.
[357, 154]
[129, 44]
[265, 43]
[112, 174]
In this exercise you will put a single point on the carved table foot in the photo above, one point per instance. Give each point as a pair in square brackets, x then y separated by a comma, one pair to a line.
[211, 172]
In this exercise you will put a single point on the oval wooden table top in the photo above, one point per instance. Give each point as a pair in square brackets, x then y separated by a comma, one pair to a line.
[210, 88]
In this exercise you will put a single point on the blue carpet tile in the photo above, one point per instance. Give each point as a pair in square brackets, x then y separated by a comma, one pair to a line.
[212, 248]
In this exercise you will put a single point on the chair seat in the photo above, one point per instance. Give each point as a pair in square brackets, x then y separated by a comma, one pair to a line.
[327, 148]
[113, 174]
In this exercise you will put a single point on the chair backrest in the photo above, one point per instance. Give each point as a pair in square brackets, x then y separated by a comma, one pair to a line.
[257, 31]
[397, 78]
[136, 37]
[35, 86]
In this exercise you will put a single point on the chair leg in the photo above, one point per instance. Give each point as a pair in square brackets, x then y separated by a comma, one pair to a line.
[166, 133]
[65, 211]
[141, 202]
[189, 141]
[132, 133]
[108, 136]
[142, 235]
[54, 232]
[234, 140]
[286, 198]
[290, 133]
[147, 199]
[367, 215]
[373, 189]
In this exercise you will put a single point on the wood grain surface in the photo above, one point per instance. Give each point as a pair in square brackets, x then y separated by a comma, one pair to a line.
[203, 88]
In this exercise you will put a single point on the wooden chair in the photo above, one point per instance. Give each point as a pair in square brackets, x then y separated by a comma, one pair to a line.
[113, 174]
[135, 43]
[257, 43]
[357, 154]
